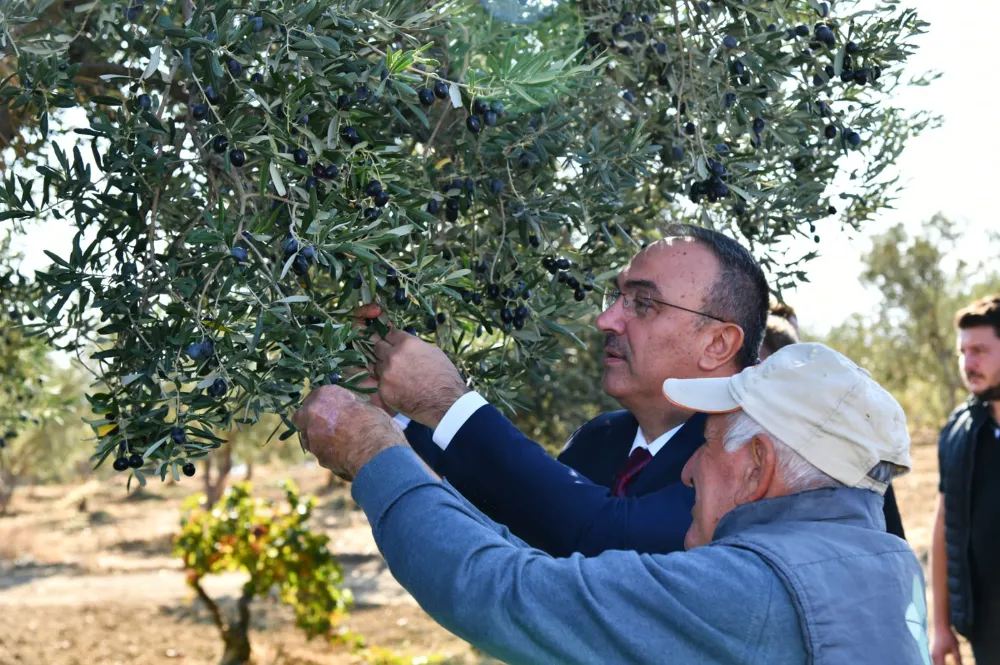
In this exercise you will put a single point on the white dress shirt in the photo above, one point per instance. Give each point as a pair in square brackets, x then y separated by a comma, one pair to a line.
[470, 402]
[656, 445]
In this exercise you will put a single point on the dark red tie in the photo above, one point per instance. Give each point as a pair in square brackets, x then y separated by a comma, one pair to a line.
[639, 458]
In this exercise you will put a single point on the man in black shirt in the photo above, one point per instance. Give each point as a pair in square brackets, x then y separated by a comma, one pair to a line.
[984, 543]
[965, 546]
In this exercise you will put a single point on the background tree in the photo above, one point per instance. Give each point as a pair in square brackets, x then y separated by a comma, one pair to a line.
[34, 395]
[908, 342]
[251, 171]
[272, 544]
[22, 360]
[565, 395]
[243, 448]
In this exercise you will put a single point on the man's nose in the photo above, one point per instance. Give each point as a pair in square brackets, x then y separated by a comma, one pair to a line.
[687, 473]
[968, 363]
[612, 320]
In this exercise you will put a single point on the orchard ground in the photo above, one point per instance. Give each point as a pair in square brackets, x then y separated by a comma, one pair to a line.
[100, 586]
[88, 577]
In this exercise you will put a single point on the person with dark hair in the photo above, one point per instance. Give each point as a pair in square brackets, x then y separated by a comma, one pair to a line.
[787, 312]
[965, 545]
[780, 333]
[693, 304]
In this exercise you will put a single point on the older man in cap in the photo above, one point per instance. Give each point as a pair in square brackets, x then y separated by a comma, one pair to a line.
[786, 561]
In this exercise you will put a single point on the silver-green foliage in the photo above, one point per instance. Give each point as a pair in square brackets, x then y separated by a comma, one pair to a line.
[613, 120]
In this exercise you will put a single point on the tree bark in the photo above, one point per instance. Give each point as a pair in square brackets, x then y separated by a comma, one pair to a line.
[206, 478]
[237, 650]
[13, 471]
[235, 636]
[332, 482]
[224, 464]
[8, 483]
[213, 608]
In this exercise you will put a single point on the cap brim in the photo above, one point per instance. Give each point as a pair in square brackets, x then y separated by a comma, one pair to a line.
[702, 395]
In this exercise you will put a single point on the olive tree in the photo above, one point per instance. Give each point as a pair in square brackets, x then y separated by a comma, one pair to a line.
[35, 395]
[247, 172]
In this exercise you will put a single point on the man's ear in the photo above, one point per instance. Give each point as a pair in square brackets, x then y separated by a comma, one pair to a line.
[760, 476]
[722, 343]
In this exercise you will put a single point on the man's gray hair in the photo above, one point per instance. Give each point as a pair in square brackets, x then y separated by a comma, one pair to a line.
[798, 474]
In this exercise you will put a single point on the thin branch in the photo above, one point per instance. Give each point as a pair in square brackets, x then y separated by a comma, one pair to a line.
[151, 235]
[7, 129]
[151, 228]
[701, 144]
[53, 14]
[503, 236]
[181, 235]
[213, 608]
[83, 23]
[430, 141]
[680, 57]
[91, 73]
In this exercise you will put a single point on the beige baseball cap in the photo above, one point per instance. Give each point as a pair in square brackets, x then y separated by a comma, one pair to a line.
[817, 402]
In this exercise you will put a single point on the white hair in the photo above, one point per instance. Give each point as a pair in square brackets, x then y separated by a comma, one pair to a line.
[798, 474]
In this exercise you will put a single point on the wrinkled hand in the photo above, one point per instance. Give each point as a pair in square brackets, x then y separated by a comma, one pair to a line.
[416, 378]
[361, 314]
[343, 431]
[945, 643]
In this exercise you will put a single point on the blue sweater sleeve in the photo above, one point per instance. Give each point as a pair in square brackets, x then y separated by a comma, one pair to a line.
[552, 507]
[714, 604]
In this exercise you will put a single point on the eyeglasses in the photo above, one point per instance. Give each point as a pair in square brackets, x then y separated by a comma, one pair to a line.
[640, 305]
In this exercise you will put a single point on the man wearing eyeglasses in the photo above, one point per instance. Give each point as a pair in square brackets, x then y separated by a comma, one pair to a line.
[692, 305]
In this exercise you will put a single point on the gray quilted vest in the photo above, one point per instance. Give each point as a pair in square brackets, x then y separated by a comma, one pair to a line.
[859, 591]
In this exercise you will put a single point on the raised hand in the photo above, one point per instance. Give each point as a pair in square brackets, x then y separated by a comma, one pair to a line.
[416, 378]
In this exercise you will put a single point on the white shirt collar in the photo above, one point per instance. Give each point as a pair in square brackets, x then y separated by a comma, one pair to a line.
[654, 447]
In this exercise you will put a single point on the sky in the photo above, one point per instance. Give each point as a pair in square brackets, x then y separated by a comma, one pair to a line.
[952, 170]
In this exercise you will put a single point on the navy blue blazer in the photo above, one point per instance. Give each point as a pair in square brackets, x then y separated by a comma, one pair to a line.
[565, 505]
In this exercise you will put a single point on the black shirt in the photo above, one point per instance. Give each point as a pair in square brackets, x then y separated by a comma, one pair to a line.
[984, 539]
[893, 521]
